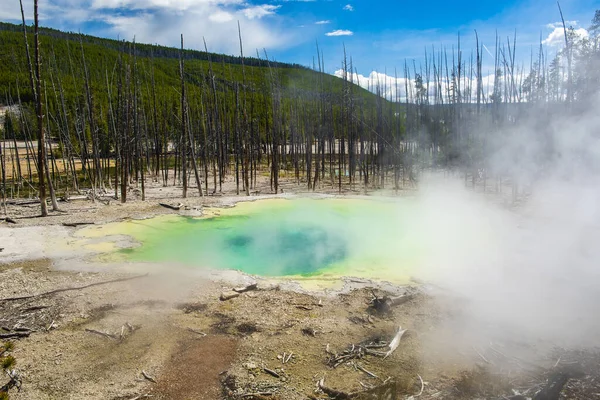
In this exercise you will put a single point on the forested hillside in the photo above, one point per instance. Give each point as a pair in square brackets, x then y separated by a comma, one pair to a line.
[118, 112]
[116, 107]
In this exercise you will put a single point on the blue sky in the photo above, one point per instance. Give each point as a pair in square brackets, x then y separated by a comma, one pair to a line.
[378, 35]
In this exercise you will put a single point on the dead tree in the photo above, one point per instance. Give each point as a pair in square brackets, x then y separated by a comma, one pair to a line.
[40, 115]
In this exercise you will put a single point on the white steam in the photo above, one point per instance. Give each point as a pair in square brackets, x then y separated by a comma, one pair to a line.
[530, 273]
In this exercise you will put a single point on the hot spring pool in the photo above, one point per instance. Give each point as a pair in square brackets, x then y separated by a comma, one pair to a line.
[324, 238]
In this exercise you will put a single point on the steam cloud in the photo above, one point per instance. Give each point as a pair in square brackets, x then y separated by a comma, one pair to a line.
[531, 273]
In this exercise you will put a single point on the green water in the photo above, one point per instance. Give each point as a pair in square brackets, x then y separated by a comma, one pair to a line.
[328, 237]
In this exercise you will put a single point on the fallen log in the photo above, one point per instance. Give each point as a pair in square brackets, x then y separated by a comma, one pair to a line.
[76, 224]
[171, 207]
[245, 289]
[8, 220]
[72, 288]
[71, 198]
[228, 296]
[13, 335]
[21, 202]
[385, 304]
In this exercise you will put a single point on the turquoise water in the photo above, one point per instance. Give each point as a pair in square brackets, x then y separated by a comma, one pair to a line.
[286, 238]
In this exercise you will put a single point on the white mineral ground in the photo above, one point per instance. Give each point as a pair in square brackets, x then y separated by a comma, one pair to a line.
[174, 306]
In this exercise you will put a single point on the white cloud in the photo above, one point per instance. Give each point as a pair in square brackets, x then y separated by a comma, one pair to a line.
[324, 22]
[181, 5]
[162, 22]
[221, 16]
[556, 38]
[340, 32]
[393, 88]
[260, 11]
[348, 7]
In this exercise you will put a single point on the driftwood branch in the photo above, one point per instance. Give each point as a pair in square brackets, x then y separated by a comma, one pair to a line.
[72, 288]
[363, 369]
[148, 377]
[395, 342]
[103, 334]
[422, 386]
[271, 372]
[197, 332]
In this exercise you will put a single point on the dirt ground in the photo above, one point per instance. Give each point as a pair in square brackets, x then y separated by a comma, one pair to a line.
[163, 333]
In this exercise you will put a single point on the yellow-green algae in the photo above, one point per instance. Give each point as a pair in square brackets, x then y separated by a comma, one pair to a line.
[316, 240]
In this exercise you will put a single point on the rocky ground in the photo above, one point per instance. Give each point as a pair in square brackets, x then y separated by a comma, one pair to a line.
[165, 333]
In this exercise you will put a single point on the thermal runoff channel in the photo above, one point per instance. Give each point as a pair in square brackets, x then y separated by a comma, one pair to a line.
[303, 237]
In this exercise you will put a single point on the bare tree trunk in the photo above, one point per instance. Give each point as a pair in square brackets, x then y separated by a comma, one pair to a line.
[40, 116]
[183, 124]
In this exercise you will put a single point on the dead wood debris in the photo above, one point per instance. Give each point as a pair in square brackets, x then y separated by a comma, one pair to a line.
[395, 342]
[148, 377]
[103, 334]
[197, 332]
[341, 395]
[271, 372]
[336, 394]
[9, 220]
[125, 328]
[16, 332]
[171, 207]
[257, 395]
[228, 296]
[14, 382]
[361, 350]
[72, 288]
[248, 288]
[76, 224]
[363, 369]
[386, 303]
